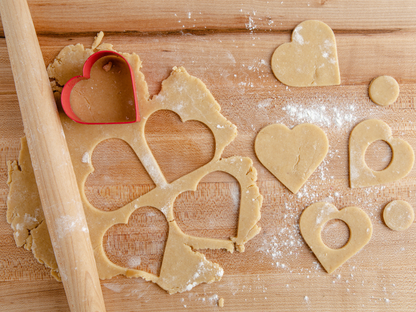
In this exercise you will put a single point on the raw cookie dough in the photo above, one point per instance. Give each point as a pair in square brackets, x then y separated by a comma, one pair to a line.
[310, 59]
[313, 220]
[182, 267]
[291, 155]
[361, 137]
[384, 90]
[398, 215]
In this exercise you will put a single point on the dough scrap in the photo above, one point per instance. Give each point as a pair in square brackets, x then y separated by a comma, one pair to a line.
[384, 90]
[398, 215]
[361, 137]
[182, 267]
[310, 59]
[313, 220]
[291, 155]
[25, 214]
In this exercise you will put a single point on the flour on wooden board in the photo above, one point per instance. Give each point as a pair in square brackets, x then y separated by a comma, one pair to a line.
[321, 115]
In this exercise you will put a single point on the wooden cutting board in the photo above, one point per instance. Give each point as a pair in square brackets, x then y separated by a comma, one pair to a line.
[228, 45]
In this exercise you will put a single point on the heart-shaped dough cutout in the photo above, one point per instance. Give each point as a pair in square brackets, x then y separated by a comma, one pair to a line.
[310, 59]
[312, 222]
[361, 137]
[291, 155]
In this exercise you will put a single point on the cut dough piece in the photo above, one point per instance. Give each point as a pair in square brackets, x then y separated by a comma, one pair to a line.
[384, 90]
[361, 137]
[291, 155]
[182, 267]
[313, 220]
[398, 215]
[310, 59]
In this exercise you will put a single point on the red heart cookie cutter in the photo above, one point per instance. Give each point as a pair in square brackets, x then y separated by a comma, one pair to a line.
[86, 71]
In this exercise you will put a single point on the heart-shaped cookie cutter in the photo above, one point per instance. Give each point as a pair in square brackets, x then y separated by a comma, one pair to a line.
[86, 71]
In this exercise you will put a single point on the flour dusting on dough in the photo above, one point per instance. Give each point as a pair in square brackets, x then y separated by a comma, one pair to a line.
[85, 158]
[297, 37]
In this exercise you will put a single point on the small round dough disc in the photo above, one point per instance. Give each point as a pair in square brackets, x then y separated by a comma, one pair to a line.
[384, 90]
[398, 215]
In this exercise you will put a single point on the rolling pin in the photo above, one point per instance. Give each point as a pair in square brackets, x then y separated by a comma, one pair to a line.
[55, 177]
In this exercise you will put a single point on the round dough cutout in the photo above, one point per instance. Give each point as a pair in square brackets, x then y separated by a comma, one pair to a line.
[398, 215]
[384, 90]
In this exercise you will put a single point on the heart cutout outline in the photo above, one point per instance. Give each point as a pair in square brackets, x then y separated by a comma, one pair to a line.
[217, 205]
[313, 220]
[86, 74]
[362, 136]
[151, 243]
[299, 150]
[310, 59]
[172, 141]
[131, 174]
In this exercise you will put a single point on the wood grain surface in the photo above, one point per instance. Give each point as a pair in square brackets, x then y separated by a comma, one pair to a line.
[228, 45]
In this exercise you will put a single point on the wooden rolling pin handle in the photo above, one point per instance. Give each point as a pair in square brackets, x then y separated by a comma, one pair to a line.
[52, 164]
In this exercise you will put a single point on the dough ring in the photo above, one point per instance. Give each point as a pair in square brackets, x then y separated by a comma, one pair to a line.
[361, 137]
[182, 268]
[313, 220]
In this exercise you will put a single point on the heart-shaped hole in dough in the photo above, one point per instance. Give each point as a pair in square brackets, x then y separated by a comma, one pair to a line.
[212, 210]
[140, 244]
[378, 155]
[178, 147]
[118, 178]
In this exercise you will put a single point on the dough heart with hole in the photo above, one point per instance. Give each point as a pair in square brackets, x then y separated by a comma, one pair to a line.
[310, 59]
[291, 155]
[314, 218]
[361, 137]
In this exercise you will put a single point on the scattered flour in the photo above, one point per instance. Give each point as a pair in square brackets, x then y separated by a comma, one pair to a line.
[321, 115]
[264, 103]
[134, 261]
[250, 25]
[286, 243]
[114, 287]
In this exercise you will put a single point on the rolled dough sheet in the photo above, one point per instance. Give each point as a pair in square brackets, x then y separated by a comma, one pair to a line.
[182, 267]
